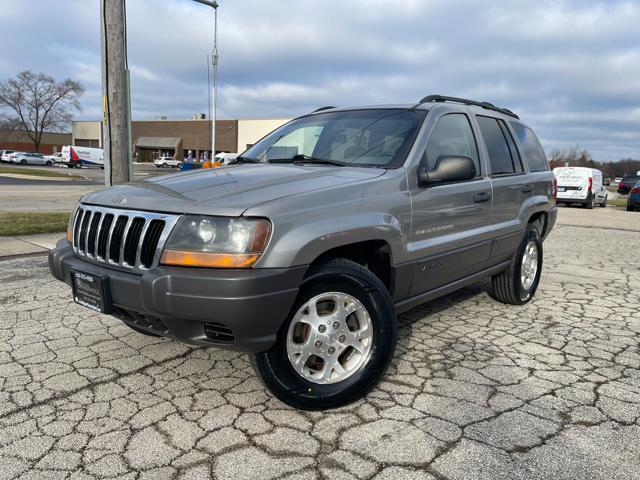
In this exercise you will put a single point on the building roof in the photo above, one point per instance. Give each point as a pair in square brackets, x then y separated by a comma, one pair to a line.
[158, 142]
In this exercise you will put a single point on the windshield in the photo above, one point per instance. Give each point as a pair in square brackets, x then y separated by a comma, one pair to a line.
[378, 138]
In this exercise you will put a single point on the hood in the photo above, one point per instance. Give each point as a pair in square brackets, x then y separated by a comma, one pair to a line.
[227, 191]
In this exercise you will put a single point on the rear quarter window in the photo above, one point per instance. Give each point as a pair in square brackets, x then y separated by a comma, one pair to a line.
[532, 150]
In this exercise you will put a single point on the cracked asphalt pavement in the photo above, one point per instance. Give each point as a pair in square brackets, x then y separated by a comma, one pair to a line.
[477, 389]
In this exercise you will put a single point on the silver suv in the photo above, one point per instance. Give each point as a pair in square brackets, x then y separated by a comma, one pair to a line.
[305, 249]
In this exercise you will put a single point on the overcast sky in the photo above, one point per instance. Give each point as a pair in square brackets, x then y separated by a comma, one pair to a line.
[569, 68]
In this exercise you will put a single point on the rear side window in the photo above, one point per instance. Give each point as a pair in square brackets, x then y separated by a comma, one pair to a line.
[499, 153]
[452, 135]
[532, 150]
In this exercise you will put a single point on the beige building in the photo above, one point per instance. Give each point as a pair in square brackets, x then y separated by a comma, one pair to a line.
[252, 130]
[87, 133]
[181, 138]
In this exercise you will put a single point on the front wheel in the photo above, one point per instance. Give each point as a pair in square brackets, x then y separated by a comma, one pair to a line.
[337, 341]
[23, 162]
[518, 283]
[604, 202]
[48, 164]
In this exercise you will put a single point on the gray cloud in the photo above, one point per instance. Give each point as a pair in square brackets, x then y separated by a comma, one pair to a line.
[570, 68]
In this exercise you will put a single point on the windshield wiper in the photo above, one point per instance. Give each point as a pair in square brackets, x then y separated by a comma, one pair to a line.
[301, 158]
[244, 160]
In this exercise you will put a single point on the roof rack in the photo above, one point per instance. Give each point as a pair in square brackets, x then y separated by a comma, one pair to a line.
[487, 105]
[328, 107]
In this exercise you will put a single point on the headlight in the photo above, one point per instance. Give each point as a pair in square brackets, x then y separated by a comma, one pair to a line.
[72, 217]
[216, 242]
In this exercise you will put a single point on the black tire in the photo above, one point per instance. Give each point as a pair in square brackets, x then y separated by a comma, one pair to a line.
[70, 165]
[629, 208]
[604, 203]
[48, 164]
[23, 162]
[277, 374]
[590, 202]
[507, 287]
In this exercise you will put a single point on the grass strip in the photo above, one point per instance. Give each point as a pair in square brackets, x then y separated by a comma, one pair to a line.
[34, 172]
[29, 223]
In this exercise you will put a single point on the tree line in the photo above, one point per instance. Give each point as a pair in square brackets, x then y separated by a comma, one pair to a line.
[580, 157]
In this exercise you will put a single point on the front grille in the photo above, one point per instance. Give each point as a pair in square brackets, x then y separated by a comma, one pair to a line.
[120, 238]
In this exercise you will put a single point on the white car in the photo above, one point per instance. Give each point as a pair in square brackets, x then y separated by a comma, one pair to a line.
[581, 185]
[5, 154]
[30, 159]
[56, 159]
[165, 162]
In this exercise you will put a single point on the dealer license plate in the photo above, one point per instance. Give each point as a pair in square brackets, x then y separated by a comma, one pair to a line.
[91, 291]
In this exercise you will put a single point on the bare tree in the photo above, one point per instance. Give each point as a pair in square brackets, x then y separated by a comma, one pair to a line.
[39, 104]
[7, 127]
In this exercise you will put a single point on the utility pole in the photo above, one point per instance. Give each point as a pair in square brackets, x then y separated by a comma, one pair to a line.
[115, 97]
[214, 64]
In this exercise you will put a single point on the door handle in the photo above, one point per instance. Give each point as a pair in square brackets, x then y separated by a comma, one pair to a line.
[481, 197]
[527, 187]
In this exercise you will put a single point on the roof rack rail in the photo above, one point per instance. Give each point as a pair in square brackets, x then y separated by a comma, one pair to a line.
[487, 105]
[328, 107]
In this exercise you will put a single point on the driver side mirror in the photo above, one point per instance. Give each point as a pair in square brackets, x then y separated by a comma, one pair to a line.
[449, 168]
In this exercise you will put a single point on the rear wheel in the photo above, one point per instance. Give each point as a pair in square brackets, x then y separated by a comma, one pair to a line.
[629, 208]
[591, 200]
[337, 341]
[518, 284]
[48, 164]
[23, 162]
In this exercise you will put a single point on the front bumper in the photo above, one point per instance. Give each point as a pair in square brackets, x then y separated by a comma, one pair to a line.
[236, 309]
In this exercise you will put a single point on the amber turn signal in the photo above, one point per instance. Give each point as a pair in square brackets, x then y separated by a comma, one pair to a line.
[208, 259]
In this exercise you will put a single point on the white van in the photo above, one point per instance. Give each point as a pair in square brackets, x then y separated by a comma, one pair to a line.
[581, 185]
[75, 156]
[224, 158]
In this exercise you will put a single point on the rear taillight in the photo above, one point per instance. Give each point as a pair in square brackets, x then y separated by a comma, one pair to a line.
[590, 183]
[621, 185]
[555, 188]
[635, 190]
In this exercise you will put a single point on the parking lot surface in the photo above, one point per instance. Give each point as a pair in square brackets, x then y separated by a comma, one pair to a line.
[477, 389]
[55, 195]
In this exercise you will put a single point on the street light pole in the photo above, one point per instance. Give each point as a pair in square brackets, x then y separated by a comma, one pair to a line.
[214, 65]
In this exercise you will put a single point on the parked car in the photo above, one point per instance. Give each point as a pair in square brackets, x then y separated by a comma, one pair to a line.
[5, 154]
[617, 180]
[633, 200]
[57, 158]
[75, 156]
[581, 185]
[225, 158]
[30, 159]
[305, 249]
[627, 183]
[165, 162]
